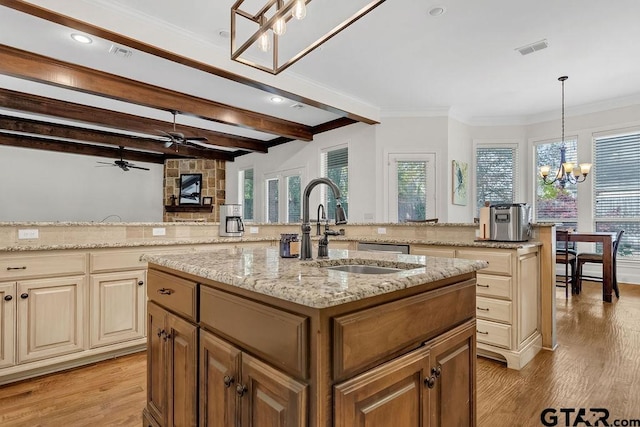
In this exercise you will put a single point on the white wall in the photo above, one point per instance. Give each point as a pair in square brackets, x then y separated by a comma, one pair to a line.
[41, 185]
[460, 141]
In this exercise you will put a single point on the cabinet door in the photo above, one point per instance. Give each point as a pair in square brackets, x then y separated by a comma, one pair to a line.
[392, 394]
[7, 324]
[453, 377]
[116, 310]
[270, 398]
[219, 377]
[50, 317]
[182, 372]
[156, 363]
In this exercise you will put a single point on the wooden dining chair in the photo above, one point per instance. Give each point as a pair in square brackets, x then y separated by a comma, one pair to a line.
[595, 258]
[566, 254]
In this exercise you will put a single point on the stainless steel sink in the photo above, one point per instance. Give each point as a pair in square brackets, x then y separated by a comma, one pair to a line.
[364, 269]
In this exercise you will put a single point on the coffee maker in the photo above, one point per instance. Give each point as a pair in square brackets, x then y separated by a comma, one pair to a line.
[231, 221]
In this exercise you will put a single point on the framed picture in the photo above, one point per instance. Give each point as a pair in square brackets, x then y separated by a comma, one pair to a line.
[460, 183]
[190, 188]
[207, 201]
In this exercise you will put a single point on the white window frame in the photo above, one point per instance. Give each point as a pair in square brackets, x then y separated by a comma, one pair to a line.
[323, 188]
[266, 180]
[517, 182]
[241, 173]
[283, 192]
[392, 183]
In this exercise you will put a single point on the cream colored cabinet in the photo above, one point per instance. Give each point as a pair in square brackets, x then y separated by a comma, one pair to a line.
[7, 324]
[116, 307]
[50, 317]
[507, 300]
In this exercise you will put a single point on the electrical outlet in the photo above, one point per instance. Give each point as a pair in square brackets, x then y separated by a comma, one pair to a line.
[254, 230]
[161, 231]
[382, 230]
[31, 233]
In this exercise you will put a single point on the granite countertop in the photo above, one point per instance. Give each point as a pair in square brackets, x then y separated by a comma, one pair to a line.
[309, 283]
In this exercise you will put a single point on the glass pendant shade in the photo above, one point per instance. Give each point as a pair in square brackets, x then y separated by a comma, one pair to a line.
[264, 42]
[299, 10]
[280, 27]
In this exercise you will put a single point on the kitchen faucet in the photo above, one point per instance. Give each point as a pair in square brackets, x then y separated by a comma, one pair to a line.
[305, 251]
[324, 217]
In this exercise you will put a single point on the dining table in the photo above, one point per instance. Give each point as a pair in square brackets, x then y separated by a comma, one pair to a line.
[607, 239]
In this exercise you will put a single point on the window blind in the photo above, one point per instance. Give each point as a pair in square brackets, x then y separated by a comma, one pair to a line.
[247, 194]
[412, 190]
[553, 203]
[496, 174]
[335, 166]
[272, 200]
[293, 198]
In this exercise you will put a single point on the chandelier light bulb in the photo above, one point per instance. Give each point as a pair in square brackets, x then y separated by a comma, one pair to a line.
[264, 43]
[299, 9]
[280, 27]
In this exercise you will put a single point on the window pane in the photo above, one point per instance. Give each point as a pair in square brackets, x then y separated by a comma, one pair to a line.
[336, 168]
[617, 189]
[293, 198]
[496, 175]
[247, 200]
[412, 190]
[554, 203]
[272, 200]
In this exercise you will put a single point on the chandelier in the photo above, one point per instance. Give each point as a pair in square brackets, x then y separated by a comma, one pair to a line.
[567, 173]
[269, 34]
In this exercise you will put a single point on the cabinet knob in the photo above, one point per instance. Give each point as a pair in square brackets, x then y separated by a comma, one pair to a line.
[430, 382]
[228, 381]
[140, 283]
[24, 296]
[241, 389]
[437, 371]
[166, 336]
[8, 298]
[160, 332]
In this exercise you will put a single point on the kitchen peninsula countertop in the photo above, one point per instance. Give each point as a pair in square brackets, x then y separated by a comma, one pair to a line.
[309, 283]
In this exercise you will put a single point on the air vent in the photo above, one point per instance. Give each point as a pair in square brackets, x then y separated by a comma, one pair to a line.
[297, 106]
[120, 51]
[533, 47]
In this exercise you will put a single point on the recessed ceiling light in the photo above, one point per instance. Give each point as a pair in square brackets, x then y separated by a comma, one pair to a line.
[81, 38]
[277, 99]
[437, 11]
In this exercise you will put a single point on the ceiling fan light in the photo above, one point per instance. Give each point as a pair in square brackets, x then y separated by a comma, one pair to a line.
[299, 10]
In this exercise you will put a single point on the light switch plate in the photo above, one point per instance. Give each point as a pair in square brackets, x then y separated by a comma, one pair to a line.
[30, 233]
[160, 231]
[382, 230]
[254, 230]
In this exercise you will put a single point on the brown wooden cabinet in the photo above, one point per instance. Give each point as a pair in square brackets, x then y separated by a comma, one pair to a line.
[172, 370]
[237, 389]
[431, 386]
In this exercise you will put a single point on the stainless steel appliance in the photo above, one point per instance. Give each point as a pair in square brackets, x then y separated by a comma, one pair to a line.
[231, 224]
[509, 222]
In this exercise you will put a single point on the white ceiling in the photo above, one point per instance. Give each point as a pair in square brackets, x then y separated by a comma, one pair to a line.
[398, 60]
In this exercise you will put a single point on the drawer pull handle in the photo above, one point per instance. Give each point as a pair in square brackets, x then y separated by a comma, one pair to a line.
[24, 296]
[24, 267]
[483, 333]
[165, 291]
[430, 382]
[8, 298]
[483, 309]
[228, 381]
[241, 390]
[482, 286]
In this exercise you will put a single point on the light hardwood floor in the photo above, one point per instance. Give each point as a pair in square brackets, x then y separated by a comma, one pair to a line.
[597, 364]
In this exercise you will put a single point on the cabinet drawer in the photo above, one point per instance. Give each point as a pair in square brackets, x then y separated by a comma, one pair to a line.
[499, 262]
[115, 260]
[433, 251]
[493, 333]
[18, 267]
[371, 336]
[174, 293]
[494, 286]
[493, 309]
[277, 336]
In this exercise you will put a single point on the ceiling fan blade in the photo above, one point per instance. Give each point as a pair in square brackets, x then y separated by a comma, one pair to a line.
[107, 163]
[137, 167]
[195, 138]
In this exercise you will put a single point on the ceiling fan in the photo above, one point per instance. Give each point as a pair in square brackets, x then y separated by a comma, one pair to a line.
[123, 164]
[176, 138]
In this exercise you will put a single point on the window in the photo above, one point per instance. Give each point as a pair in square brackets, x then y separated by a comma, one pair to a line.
[553, 203]
[272, 199]
[335, 166]
[294, 194]
[617, 189]
[496, 174]
[245, 179]
[411, 187]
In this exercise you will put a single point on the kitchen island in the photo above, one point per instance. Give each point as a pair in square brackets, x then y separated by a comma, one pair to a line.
[244, 337]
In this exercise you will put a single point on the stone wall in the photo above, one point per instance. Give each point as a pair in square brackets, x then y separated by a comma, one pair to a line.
[213, 185]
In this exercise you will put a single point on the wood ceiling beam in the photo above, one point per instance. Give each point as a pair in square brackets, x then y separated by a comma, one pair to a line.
[30, 126]
[36, 104]
[85, 27]
[39, 68]
[38, 143]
